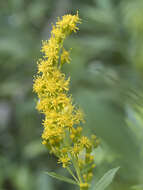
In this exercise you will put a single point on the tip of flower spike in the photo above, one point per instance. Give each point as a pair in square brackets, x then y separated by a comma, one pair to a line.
[68, 23]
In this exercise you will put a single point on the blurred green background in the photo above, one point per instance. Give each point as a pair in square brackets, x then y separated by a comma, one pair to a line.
[106, 81]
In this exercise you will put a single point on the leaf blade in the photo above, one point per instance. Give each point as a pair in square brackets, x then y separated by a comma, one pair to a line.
[106, 180]
[61, 178]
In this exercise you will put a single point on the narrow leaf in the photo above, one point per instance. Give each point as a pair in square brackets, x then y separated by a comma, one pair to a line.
[105, 181]
[61, 178]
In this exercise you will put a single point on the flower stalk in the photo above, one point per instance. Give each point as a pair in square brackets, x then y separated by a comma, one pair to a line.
[62, 133]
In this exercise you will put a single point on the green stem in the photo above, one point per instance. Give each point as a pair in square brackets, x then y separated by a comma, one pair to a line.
[70, 171]
[74, 161]
[78, 173]
[75, 164]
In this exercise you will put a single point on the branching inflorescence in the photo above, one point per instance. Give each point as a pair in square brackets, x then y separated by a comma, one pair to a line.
[62, 132]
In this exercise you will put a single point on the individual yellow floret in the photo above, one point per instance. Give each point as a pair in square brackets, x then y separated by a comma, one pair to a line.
[64, 160]
[65, 58]
[85, 142]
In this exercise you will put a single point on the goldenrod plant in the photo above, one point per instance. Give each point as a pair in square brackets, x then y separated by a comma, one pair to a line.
[62, 133]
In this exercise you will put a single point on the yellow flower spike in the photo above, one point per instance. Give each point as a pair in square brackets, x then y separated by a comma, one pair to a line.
[61, 134]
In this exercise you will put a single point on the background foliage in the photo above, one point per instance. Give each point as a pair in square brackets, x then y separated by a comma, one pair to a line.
[106, 81]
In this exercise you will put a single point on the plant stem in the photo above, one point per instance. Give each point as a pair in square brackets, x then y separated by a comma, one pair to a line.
[70, 171]
[76, 169]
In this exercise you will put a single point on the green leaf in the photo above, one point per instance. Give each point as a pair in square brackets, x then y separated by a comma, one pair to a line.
[61, 178]
[106, 180]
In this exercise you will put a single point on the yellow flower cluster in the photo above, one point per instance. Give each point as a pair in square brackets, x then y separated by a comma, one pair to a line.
[62, 132]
